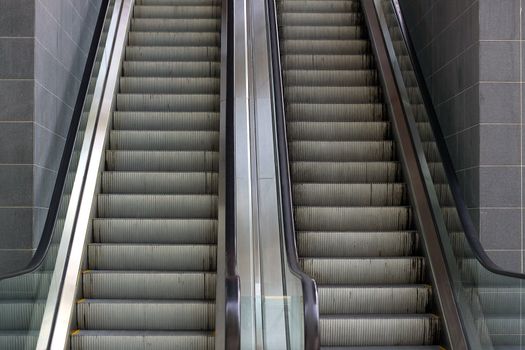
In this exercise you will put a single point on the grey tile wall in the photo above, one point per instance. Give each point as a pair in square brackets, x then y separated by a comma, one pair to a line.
[43, 50]
[471, 52]
[63, 33]
[16, 131]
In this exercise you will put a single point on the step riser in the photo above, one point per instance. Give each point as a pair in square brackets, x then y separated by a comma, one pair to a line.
[385, 300]
[142, 342]
[161, 161]
[155, 231]
[159, 183]
[365, 271]
[352, 219]
[376, 332]
[356, 244]
[139, 286]
[147, 316]
[152, 257]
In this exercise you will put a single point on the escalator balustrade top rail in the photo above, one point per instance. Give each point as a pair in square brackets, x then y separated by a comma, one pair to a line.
[488, 298]
[54, 205]
[461, 207]
[311, 331]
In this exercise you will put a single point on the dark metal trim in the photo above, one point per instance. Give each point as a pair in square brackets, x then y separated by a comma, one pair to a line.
[232, 281]
[464, 216]
[445, 299]
[309, 287]
[47, 233]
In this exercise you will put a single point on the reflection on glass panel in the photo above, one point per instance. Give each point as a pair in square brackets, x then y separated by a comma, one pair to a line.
[490, 305]
[23, 298]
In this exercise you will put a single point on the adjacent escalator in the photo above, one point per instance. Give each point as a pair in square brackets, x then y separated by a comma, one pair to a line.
[355, 229]
[150, 277]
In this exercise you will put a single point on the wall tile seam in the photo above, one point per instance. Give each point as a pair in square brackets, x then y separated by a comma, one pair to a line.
[497, 208]
[22, 207]
[57, 59]
[499, 82]
[456, 95]
[505, 250]
[17, 37]
[51, 131]
[30, 164]
[17, 79]
[93, 5]
[60, 26]
[423, 16]
[456, 133]
[449, 62]
[75, 8]
[17, 249]
[51, 92]
[437, 35]
[477, 167]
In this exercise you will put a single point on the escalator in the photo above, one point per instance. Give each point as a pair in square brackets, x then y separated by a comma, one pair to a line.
[371, 202]
[132, 258]
[354, 224]
[150, 274]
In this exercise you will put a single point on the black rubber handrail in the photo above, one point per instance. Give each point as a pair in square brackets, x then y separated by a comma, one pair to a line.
[47, 233]
[309, 287]
[468, 226]
[232, 281]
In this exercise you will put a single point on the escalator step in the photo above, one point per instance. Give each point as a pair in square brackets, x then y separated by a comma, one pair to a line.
[142, 340]
[152, 69]
[157, 206]
[166, 121]
[342, 151]
[315, 6]
[316, 19]
[148, 257]
[174, 39]
[175, 25]
[353, 218]
[165, 54]
[171, 103]
[162, 161]
[165, 231]
[330, 47]
[322, 33]
[318, 112]
[395, 270]
[335, 94]
[177, 12]
[338, 131]
[159, 183]
[357, 244]
[169, 85]
[420, 329]
[400, 299]
[165, 140]
[326, 62]
[145, 314]
[345, 172]
[306, 77]
[21, 314]
[179, 2]
[27, 286]
[137, 285]
[348, 195]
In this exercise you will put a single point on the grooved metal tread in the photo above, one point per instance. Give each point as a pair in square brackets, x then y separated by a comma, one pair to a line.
[354, 224]
[151, 279]
[142, 340]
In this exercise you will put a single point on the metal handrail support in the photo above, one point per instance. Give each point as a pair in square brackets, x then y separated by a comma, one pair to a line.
[309, 287]
[410, 152]
[99, 124]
